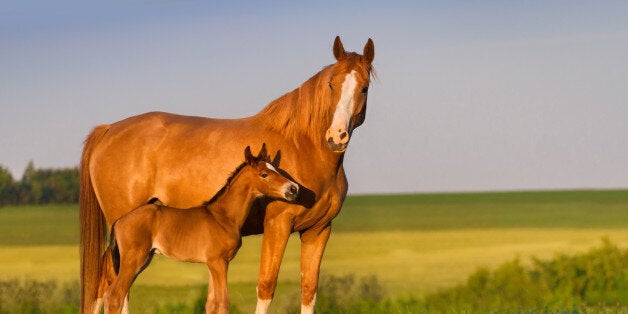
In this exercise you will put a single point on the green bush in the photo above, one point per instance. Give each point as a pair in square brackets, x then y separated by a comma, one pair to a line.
[596, 280]
[344, 294]
[32, 296]
[197, 306]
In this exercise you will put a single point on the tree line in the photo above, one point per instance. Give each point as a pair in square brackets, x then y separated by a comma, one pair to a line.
[39, 186]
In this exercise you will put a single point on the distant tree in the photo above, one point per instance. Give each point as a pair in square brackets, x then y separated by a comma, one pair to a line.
[8, 189]
[29, 191]
[40, 186]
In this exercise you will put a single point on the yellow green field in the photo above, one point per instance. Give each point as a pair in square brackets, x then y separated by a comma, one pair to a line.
[413, 243]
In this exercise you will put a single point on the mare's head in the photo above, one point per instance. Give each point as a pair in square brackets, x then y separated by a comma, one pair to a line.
[349, 85]
[264, 178]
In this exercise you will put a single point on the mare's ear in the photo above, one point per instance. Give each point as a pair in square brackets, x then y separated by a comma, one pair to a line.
[339, 50]
[262, 155]
[248, 156]
[369, 51]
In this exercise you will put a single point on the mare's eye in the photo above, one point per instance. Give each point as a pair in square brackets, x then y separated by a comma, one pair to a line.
[264, 175]
[365, 89]
[330, 85]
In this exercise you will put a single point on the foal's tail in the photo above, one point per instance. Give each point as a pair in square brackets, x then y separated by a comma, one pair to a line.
[92, 226]
[115, 251]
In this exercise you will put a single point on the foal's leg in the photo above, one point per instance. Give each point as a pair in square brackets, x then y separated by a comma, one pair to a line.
[125, 307]
[131, 264]
[107, 276]
[218, 274]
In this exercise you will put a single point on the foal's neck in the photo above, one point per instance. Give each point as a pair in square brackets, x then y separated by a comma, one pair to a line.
[234, 204]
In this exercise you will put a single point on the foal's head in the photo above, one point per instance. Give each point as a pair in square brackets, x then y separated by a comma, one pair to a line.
[264, 179]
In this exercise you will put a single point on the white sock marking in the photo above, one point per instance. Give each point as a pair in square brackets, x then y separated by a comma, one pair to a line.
[309, 308]
[262, 306]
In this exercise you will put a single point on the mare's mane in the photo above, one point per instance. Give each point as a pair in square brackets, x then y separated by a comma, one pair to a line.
[305, 110]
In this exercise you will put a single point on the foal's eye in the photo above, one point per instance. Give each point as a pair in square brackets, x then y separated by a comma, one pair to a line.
[330, 85]
[264, 175]
[365, 90]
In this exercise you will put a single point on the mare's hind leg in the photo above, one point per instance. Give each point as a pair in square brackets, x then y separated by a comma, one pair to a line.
[131, 264]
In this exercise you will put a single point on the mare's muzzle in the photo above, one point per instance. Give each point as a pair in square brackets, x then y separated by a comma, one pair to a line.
[337, 139]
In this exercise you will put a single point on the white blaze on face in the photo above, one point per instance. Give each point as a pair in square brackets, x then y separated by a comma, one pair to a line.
[271, 167]
[344, 108]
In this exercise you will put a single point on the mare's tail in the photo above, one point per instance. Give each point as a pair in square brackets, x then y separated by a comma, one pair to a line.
[92, 226]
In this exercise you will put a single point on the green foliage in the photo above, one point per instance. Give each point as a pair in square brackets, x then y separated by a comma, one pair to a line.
[8, 188]
[196, 307]
[508, 288]
[32, 296]
[598, 277]
[344, 294]
[594, 280]
[39, 186]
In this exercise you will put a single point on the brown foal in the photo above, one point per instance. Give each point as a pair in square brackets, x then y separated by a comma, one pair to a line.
[207, 234]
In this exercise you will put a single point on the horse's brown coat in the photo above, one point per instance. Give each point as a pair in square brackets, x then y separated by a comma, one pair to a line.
[127, 163]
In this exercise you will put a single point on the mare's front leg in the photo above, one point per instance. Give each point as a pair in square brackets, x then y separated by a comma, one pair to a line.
[313, 242]
[217, 293]
[276, 233]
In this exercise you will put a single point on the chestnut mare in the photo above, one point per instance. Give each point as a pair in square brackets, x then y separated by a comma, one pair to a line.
[207, 234]
[181, 158]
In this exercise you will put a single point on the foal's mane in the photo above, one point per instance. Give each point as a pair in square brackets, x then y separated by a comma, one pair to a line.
[305, 110]
[228, 183]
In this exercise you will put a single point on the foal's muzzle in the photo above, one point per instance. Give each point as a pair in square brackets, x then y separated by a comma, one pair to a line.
[292, 192]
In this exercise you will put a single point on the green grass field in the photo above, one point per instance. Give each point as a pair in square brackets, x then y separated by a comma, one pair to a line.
[413, 243]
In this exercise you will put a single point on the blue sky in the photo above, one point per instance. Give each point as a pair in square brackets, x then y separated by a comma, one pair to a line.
[472, 95]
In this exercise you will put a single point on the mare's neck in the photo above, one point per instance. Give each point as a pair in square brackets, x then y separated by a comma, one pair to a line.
[303, 113]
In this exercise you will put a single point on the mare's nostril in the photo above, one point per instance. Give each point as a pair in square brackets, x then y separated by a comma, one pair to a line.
[343, 135]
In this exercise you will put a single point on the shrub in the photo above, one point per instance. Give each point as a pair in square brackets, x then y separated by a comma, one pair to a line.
[508, 288]
[197, 306]
[596, 280]
[344, 294]
[33, 296]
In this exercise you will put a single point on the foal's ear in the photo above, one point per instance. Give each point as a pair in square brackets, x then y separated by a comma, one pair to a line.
[248, 156]
[339, 50]
[262, 155]
[369, 51]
